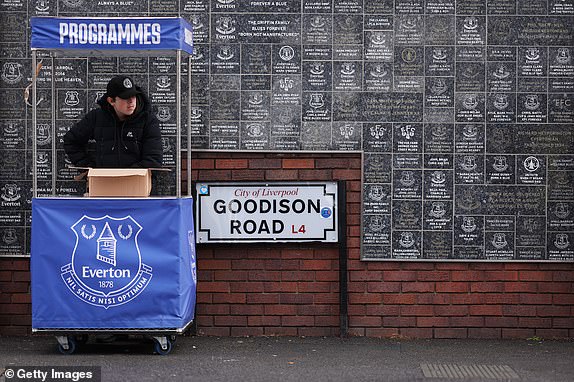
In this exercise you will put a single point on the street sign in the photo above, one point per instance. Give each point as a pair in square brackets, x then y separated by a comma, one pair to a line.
[263, 212]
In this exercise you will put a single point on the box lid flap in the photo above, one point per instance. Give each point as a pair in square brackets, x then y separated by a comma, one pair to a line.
[117, 172]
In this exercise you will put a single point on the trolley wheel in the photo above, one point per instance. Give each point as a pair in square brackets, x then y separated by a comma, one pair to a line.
[71, 347]
[159, 350]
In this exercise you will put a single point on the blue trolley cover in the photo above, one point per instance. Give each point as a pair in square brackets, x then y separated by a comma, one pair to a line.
[112, 263]
[145, 35]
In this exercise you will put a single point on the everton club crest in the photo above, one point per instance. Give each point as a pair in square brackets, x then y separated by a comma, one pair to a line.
[11, 73]
[106, 268]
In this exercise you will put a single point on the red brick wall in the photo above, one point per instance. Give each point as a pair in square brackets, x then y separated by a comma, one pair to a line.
[15, 301]
[280, 289]
[276, 290]
[292, 289]
[461, 300]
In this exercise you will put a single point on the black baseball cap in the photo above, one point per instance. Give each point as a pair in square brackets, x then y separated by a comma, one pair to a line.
[121, 86]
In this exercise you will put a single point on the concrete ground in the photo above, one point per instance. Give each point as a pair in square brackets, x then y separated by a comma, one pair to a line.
[302, 359]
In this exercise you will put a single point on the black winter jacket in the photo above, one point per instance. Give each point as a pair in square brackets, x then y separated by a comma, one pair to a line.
[135, 142]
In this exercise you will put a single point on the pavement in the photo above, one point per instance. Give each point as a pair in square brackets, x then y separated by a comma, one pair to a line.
[308, 359]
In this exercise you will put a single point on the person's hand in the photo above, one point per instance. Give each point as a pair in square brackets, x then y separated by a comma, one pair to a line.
[81, 175]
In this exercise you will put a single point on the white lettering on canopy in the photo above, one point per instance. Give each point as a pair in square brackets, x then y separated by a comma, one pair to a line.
[110, 34]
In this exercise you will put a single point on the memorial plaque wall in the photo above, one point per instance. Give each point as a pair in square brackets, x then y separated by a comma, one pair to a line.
[463, 110]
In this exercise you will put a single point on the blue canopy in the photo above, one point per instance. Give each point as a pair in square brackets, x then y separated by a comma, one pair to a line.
[139, 35]
[109, 36]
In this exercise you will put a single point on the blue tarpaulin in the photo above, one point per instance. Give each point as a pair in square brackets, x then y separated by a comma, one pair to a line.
[134, 34]
[112, 263]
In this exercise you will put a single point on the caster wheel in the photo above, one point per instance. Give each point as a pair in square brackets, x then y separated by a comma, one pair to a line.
[158, 349]
[71, 347]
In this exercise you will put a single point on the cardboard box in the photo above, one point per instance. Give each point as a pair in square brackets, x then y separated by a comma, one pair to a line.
[119, 182]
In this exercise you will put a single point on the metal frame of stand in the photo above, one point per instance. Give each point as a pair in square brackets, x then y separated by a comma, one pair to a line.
[88, 53]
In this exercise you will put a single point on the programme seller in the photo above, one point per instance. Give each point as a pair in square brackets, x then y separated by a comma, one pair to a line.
[123, 132]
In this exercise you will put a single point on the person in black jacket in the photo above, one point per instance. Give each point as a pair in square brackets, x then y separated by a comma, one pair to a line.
[123, 132]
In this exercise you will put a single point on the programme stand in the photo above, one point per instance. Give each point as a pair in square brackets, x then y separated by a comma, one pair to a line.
[111, 265]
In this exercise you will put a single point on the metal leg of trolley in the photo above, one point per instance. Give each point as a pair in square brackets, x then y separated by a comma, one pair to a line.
[70, 341]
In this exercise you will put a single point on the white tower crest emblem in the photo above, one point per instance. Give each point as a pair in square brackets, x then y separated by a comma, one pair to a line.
[106, 268]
